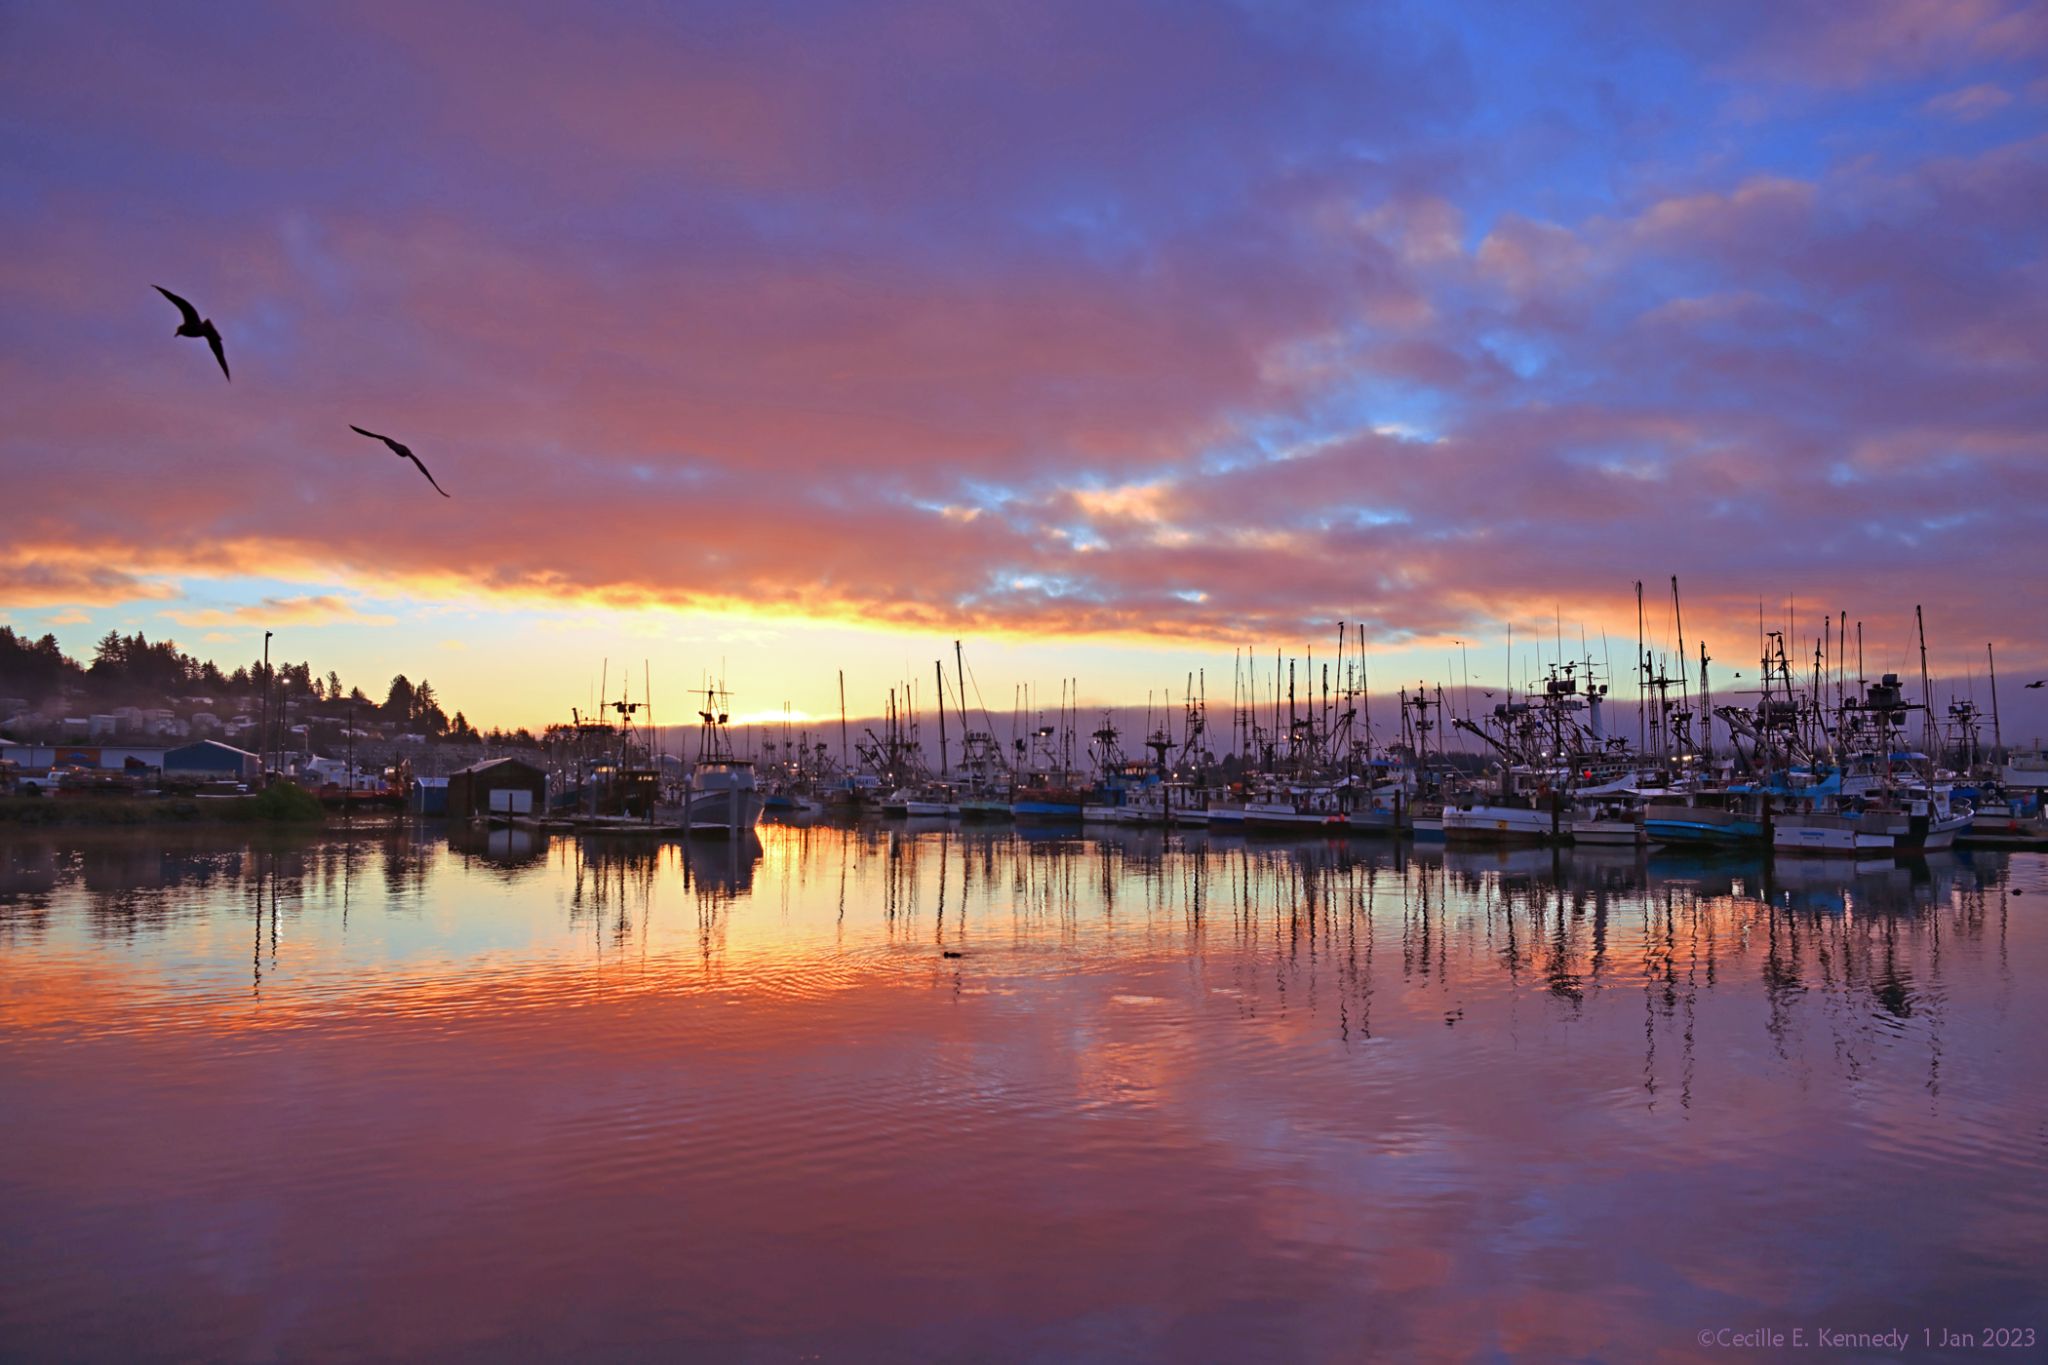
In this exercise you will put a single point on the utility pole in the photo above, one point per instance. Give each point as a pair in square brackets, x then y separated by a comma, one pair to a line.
[263, 725]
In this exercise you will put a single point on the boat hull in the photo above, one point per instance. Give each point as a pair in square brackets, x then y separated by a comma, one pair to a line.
[1375, 820]
[1705, 826]
[1479, 824]
[1046, 811]
[725, 811]
[1287, 820]
[1869, 833]
[1611, 833]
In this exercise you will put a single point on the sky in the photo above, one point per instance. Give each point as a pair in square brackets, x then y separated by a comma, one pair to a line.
[776, 340]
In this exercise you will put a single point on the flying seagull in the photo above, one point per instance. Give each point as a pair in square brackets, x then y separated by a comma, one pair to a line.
[196, 326]
[403, 451]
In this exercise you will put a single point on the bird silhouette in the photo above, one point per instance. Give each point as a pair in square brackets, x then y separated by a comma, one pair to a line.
[2039, 682]
[403, 451]
[195, 326]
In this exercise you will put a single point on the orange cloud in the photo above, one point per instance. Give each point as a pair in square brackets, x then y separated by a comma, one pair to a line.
[302, 610]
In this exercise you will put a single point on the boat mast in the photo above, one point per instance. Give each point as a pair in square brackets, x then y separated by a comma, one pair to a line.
[1642, 678]
[1997, 735]
[1706, 712]
[1678, 619]
[1926, 698]
[939, 673]
[1365, 693]
[960, 687]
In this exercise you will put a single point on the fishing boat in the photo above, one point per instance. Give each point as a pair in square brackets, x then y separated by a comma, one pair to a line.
[617, 783]
[2006, 820]
[1048, 797]
[1503, 821]
[1710, 817]
[931, 799]
[1287, 808]
[1913, 819]
[985, 805]
[1119, 780]
[1553, 749]
[2013, 811]
[1615, 820]
[722, 798]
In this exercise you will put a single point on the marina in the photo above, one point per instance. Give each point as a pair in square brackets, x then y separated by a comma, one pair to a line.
[1067, 682]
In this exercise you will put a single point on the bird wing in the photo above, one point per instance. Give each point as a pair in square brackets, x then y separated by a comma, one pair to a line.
[423, 469]
[213, 340]
[361, 431]
[191, 313]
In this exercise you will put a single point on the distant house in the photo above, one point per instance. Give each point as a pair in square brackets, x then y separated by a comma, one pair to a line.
[503, 786]
[211, 759]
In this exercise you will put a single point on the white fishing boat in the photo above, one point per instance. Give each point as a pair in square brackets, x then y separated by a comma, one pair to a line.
[1295, 809]
[1917, 819]
[930, 800]
[1499, 823]
[723, 798]
[2012, 812]
[1612, 820]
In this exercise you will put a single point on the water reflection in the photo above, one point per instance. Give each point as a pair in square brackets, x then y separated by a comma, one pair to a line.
[402, 1093]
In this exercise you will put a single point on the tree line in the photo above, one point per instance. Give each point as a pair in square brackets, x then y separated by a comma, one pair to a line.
[130, 670]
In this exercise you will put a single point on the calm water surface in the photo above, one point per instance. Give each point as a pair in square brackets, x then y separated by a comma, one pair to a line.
[908, 1094]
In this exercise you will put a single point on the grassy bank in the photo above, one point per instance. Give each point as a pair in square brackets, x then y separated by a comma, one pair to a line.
[281, 804]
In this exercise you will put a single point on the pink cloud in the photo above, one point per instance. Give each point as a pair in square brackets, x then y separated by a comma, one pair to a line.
[1969, 103]
[1818, 43]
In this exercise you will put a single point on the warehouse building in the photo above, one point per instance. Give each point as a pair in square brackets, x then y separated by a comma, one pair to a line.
[498, 786]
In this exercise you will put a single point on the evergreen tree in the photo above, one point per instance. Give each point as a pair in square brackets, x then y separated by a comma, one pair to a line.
[399, 702]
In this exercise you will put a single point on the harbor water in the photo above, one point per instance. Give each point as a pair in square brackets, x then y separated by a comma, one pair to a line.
[903, 1093]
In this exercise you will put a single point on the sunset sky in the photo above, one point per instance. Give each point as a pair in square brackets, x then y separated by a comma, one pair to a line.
[780, 338]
